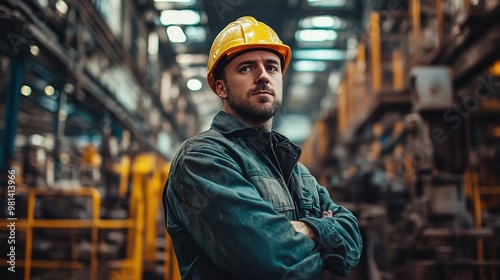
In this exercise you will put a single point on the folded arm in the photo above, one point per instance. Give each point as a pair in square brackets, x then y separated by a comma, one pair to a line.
[337, 234]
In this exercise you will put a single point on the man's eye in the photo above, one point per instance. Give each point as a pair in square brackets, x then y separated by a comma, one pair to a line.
[272, 68]
[245, 69]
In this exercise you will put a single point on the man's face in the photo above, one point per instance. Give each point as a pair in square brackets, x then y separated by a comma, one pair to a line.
[253, 88]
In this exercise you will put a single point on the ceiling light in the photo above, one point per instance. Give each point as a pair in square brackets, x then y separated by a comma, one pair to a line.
[25, 90]
[196, 33]
[186, 58]
[43, 3]
[186, 17]
[309, 66]
[315, 35]
[194, 84]
[320, 54]
[334, 81]
[49, 90]
[322, 22]
[326, 3]
[153, 42]
[175, 34]
[194, 71]
[61, 7]
[34, 50]
[69, 87]
[36, 139]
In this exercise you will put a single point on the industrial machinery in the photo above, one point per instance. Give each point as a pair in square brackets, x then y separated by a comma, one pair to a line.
[82, 136]
[414, 141]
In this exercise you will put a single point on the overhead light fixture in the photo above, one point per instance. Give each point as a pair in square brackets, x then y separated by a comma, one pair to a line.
[334, 81]
[309, 66]
[43, 3]
[49, 90]
[197, 71]
[194, 84]
[36, 139]
[187, 59]
[315, 35]
[320, 54]
[175, 34]
[153, 43]
[62, 7]
[69, 87]
[195, 33]
[25, 90]
[34, 50]
[322, 22]
[180, 17]
[326, 3]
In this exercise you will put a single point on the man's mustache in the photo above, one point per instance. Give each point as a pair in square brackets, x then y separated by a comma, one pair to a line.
[263, 87]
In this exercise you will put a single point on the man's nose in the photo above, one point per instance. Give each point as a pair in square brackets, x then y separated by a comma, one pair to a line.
[262, 75]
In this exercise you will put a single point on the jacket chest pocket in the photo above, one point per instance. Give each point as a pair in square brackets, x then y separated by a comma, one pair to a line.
[308, 198]
[273, 191]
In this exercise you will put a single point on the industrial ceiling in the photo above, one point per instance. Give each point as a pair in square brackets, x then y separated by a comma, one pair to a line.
[322, 35]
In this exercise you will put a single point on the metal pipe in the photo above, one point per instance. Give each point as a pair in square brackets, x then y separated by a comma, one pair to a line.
[352, 106]
[96, 215]
[375, 47]
[361, 71]
[416, 30]
[342, 107]
[397, 70]
[16, 72]
[29, 234]
[440, 23]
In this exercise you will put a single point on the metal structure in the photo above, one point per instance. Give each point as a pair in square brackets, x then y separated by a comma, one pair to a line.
[414, 137]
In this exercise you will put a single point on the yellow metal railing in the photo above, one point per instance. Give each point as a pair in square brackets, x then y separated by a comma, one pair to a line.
[148, 175]
[366, 76]
[30, 223]
[476, 192]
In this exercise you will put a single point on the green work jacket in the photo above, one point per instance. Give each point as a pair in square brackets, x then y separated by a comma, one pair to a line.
[231, 194]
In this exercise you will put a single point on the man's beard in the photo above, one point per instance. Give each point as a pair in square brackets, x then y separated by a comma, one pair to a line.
[252, 113]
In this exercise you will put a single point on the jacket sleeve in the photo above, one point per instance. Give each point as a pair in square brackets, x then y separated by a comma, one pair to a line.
[238, 230]
[337, 236]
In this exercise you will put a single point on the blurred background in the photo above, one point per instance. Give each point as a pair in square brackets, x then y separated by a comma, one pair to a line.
[395, 103]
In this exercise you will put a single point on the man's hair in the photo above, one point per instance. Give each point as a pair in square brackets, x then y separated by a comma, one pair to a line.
[219, 73]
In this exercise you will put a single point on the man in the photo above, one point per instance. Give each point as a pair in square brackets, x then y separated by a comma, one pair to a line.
[238, 205]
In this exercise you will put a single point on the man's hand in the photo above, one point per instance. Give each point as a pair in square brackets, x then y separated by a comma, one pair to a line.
[326, 214]
[305, 229]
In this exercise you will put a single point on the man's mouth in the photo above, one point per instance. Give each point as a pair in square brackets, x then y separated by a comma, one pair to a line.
[263, 91]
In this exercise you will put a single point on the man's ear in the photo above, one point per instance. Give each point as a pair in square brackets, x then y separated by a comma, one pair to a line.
[220, 89]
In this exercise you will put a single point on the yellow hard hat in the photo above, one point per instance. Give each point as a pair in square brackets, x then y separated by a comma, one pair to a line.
[243, 34]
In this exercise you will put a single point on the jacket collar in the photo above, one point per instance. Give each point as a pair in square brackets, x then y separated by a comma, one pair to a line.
[230, 125]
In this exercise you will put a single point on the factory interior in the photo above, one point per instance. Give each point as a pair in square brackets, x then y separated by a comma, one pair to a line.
[394, 103]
